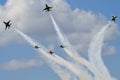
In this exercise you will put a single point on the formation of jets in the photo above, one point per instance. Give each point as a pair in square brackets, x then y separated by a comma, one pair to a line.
[47, 9]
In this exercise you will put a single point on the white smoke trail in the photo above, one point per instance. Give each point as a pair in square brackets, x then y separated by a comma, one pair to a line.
[69, 49]
[53, 65]
[95, 50]
[63, 72]
[56, 59]
[82, 74]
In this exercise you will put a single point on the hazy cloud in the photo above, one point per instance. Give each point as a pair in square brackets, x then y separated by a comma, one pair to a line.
[114, 78]
[109, 50]
[20, 64]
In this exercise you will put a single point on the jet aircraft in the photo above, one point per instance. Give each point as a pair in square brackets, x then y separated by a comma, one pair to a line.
[113, 18]
[51, 52]
[37, 47]
[7, 24]
[62, 46]
[47, 8]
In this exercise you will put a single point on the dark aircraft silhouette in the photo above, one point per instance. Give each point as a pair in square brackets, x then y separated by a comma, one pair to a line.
[51, 52]
[47, 8]
[37, 47]
[7, 24]
[113, 18]
[62, 46]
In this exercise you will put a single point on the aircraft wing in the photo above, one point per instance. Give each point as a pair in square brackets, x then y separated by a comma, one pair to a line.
[50, 7]
[9, 21]
[46, 5]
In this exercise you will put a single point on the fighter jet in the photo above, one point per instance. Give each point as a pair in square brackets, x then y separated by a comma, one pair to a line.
[51, 52]
[62, 46]
[113, 18]
[37, 47]
[47, 8]
[7, 24]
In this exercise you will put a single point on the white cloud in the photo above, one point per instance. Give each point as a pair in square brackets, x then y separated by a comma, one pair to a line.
[20, 64]
[113, 78]
[80, 26]
[109, 50]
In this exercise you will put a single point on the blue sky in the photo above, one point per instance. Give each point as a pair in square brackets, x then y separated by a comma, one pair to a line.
[107, 7]
[23, 51]
[2, 2]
